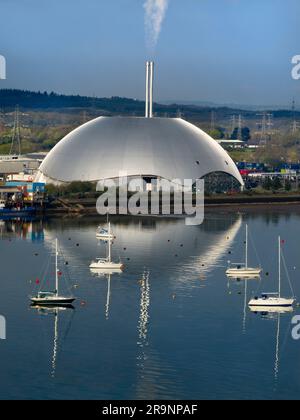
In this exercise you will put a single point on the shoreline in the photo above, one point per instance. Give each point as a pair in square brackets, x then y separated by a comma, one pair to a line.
[87, 207]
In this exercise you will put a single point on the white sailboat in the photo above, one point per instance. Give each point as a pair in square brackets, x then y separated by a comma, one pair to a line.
[268, 300]
[242, 270]
[53, 297]
[107, 263]
[104, 234]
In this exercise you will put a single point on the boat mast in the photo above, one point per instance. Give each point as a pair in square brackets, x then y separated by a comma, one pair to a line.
[109, 243]
[246, 246]
[56, 267]
[279, 265]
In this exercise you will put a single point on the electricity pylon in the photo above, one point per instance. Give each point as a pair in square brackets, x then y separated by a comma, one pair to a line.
[15, 148]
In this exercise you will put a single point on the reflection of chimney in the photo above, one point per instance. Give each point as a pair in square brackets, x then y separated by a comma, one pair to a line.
[149, 89]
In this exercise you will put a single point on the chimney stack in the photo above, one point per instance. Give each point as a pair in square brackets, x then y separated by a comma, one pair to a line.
[149, 88]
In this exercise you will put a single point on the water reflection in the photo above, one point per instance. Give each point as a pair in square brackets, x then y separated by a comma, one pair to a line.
[144, 309]
[274, 314]
[57, 339]
[190, 251]
[106, 274]
[25, 229]
[162, 334]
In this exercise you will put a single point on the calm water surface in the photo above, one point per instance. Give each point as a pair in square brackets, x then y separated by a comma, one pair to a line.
[170, 327]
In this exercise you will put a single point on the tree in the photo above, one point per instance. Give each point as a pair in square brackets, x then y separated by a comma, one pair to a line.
[246, 134]
[288, 185]
[234, 135]
[267, 184]
[276, 184]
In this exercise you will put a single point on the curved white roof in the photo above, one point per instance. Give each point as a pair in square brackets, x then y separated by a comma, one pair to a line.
[161, 147]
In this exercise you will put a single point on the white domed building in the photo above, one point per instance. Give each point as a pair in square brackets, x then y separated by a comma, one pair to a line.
[147, 148]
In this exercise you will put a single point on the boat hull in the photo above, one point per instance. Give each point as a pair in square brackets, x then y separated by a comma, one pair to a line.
[106, 266]
[105, 237]
[272, 309]
[7, 213]
[243, 272]
[272, 302]
[52, 302]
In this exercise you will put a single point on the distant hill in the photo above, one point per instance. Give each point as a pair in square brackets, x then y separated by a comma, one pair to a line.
[230, 105]
[9, 98]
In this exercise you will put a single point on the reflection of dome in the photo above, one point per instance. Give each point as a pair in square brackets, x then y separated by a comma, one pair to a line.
[152, 240]
[150, 147]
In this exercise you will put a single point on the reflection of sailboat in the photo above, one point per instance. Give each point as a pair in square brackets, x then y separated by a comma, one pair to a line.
[273, 299]
[108, 274]
[46, 310]
[107, 263]
[243, 270]
[53, 298]
[268, 311]
[265, 310]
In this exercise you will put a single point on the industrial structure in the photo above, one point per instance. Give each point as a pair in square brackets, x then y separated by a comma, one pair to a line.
[148, 148]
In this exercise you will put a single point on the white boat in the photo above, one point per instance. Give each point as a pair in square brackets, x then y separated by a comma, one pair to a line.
[104, 234]
[242, 270]
[53, 298]
[271, 309]
[268, 300]
[107, 263]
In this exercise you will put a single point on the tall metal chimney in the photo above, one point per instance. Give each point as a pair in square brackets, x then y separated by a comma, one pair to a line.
[149, 89]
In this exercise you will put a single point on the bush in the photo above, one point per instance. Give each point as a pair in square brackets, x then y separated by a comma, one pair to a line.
[276, 184]
[288, 185]
[267, 184]
[74, 188]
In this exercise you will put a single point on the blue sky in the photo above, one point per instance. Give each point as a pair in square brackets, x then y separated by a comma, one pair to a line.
[225, 51]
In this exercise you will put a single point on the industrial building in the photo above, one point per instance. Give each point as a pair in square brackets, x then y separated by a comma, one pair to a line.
[148, 148]
[23, 167]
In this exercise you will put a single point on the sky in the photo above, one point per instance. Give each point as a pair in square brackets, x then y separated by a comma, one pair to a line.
[222, 51]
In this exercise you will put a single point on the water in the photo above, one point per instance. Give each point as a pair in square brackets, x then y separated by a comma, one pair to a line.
[170, 327]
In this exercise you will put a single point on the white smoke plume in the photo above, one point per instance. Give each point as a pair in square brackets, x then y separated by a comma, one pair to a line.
[155, 12]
